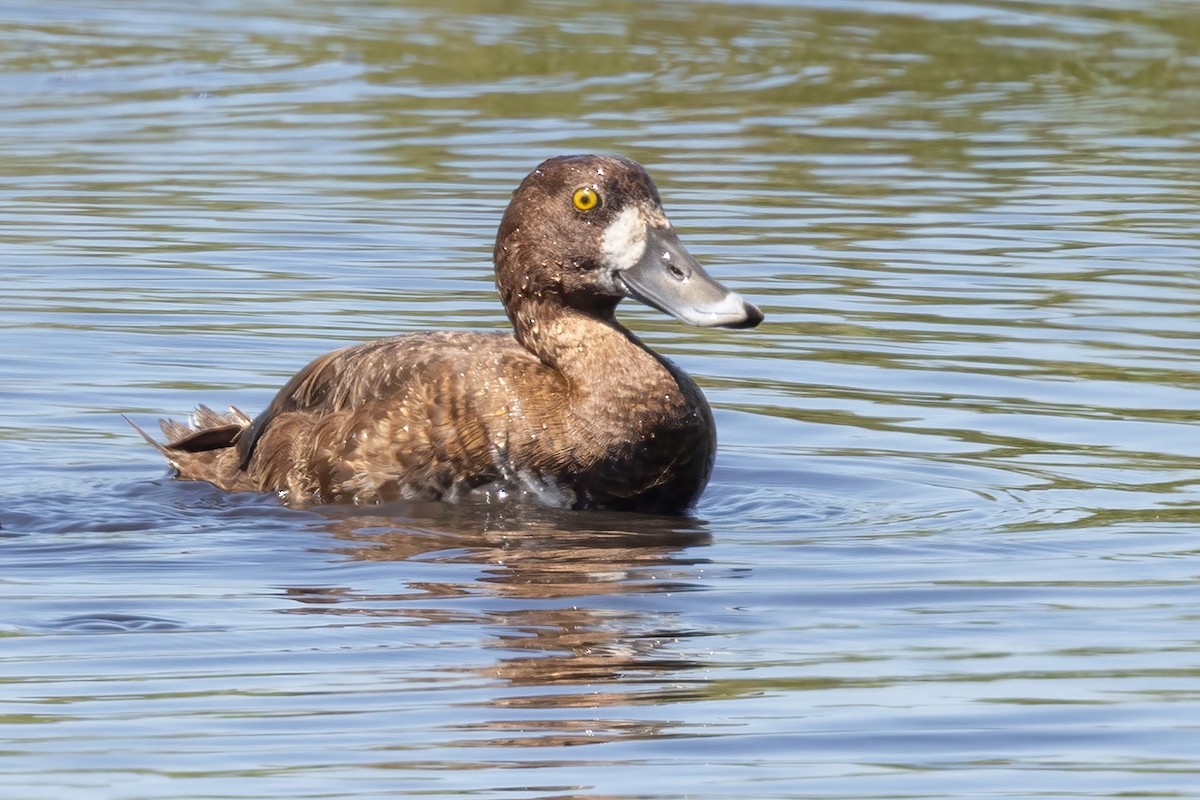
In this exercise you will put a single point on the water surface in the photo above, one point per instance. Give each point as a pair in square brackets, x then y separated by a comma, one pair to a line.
[950, 546]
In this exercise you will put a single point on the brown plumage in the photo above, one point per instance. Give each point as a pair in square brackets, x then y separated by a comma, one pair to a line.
[569, 409]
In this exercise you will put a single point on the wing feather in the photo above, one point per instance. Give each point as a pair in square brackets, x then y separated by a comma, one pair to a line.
[348, 379]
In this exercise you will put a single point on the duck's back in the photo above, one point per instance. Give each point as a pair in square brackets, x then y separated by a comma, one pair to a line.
[404, 417]
[441, 415]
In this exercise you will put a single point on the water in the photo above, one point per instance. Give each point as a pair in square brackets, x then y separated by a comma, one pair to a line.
[950, 546]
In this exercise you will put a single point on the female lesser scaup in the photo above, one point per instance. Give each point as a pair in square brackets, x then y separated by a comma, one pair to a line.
[573, 410]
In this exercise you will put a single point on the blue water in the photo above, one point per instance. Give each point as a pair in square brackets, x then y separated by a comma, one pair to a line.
[949, 548]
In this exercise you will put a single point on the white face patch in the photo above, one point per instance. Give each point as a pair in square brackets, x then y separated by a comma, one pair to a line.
[625, 239]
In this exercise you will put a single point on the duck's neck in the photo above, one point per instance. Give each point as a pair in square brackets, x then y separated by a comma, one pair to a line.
[592, 351]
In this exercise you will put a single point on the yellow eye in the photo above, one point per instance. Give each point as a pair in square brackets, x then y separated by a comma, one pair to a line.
[586, 198]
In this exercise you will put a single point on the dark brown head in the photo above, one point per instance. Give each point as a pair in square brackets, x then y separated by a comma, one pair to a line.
[587, 231]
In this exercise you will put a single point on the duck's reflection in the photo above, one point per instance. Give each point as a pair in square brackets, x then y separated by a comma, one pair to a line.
[567, 601]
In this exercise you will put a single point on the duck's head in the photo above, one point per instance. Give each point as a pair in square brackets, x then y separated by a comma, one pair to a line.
[587, 231]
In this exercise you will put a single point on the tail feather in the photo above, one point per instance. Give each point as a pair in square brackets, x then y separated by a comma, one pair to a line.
[204, 448]
[149, 439]
[207, 430]
[205, 417]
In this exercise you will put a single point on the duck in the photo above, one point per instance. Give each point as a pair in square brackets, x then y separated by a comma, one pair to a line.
[567, 409]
